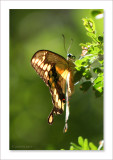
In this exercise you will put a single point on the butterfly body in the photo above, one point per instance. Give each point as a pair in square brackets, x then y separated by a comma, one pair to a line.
[54, 69]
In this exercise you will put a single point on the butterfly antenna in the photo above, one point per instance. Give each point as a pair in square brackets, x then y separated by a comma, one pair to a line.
[64, 43]
[70, 45]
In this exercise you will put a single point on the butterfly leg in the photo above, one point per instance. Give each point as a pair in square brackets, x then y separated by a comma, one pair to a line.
[67, 103]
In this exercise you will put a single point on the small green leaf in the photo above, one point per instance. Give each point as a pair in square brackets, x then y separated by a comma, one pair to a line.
[99, 87]
[100, 38]
[72, 148]
[85, 86]
[80, 141]
[87, 45]
[92, 146]
[97, 93]
[92, 35]
[76, 147]
[82, 44]
[85, 146]
[87, 73]
[101, 62]
[99, 78]
[97, 70]
[78, 63]
[89, 24]
[78, 75]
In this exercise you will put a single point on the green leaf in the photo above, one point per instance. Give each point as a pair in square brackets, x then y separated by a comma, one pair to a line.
[82, 44]
[89, 24]
[99, 78]
[87, 45]
[97, 93]
[78, 75]
[92, 146]
[101, 62]
[76, 147]
[72, 148]
[87, 73]
[93, 57]
[85, 86]
[97, 70]
[92, 35]
[100, 38]
[80, 141]
[85, 146]
[78, 63]
[99, 86]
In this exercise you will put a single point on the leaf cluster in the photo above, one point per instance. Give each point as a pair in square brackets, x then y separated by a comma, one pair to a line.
[83, 144]
[90, 65]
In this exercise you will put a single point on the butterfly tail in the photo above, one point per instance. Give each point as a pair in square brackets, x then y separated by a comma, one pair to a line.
[50, 118]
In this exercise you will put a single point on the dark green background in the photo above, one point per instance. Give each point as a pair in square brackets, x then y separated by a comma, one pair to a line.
[30, 100]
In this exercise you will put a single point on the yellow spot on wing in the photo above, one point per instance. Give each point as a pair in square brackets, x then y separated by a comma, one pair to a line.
[64, 74]
[33, 60]
[53, 85]
[50, 80]
[36, 60]
[56, 97]
[59, 103]
[59, 68]
[50, 73]
[62, 106]
[55, 91]
[43, 58]
[46, 73]
[49, 67]
[41, 66]
[45, 66]
[39, 63]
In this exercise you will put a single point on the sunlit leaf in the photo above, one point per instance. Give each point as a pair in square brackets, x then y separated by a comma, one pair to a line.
[80, 141]
[76, 147]
[92, 146]
[98, 86]
[85, 146]
[87, 74]
[89, 24]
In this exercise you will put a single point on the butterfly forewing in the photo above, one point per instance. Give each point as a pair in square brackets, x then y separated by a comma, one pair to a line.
[53, 69]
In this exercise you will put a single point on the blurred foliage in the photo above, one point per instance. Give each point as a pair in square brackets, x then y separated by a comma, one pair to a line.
[90, 65]
[84, 145]
[30, 101]
[97, 13]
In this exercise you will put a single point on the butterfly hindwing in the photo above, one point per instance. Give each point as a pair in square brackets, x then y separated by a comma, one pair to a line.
[53, 69]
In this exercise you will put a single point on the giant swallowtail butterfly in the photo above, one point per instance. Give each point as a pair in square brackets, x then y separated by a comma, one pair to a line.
[57, 72]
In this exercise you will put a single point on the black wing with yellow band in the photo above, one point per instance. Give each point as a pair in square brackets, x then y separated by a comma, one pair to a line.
[53, 69]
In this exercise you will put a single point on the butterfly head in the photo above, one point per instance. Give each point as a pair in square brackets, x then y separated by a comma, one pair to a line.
[70, 57]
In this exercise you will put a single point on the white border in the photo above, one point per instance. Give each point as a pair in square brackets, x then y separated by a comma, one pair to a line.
[5, 152]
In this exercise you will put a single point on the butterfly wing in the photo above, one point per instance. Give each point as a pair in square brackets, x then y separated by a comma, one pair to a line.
[53, 69]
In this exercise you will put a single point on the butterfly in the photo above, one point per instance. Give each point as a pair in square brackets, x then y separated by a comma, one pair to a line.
[58, 74]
